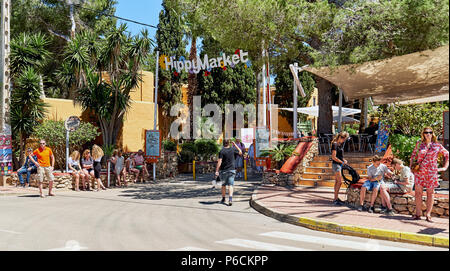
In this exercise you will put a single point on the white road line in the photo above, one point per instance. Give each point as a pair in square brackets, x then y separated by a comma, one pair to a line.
[371, 244]
[190, 249]
[71, 245]
[12, 232]
[259, 245]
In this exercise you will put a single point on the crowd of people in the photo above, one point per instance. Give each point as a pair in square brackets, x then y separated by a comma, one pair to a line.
[421, 173]
[83, 167]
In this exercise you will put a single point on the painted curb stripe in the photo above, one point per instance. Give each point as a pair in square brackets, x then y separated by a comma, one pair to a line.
[314, 224]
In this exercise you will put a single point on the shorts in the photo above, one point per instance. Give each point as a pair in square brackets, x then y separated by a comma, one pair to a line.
[337, 168]
[227, 177]
[47, 171]
[97, 169]
[371, 185]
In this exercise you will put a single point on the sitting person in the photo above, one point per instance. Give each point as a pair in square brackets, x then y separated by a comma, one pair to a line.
[376, 173]
[28, 168]
[139, 166]
[75, 169]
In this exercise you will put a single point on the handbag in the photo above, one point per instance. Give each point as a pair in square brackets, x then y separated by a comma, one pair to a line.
[415, 165]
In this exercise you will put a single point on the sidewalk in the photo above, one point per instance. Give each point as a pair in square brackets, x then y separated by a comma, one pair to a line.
[312, 208]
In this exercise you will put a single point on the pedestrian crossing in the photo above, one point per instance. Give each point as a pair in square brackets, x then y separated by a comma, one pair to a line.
[271, 242]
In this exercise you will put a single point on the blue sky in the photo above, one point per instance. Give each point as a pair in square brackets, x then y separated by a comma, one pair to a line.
[144, 11]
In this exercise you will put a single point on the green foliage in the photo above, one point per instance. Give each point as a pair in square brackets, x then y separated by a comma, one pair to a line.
[280, 153]
[206, 148]
[403, 146]
[54, 133]
[169, 145]
[169, 38]
[188, 152]
[410, 120]
[108, 150]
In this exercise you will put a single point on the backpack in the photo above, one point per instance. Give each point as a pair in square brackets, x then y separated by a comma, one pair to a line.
[353, 173]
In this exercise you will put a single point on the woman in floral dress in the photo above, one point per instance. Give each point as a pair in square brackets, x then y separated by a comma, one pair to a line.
[426, 154]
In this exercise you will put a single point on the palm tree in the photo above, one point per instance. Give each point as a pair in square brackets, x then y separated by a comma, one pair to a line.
[106, 69]
[29, 55]
[27, 107]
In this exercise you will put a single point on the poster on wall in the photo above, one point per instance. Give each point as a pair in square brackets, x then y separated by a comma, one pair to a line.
[152, 144]
[262, 141]
[383, 137]
[247, 136]
[5, 155]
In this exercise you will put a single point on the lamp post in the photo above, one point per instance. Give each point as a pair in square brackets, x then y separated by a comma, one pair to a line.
[297, 85]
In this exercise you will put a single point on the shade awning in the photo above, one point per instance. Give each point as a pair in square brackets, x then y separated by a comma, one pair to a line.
[345, 119]
[314, 111]
[409, 77]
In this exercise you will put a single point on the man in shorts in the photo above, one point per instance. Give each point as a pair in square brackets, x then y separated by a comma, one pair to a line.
[227, 166]
[376, 173]
[45, 164]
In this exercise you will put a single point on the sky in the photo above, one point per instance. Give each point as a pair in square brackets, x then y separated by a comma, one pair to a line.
[144, 11]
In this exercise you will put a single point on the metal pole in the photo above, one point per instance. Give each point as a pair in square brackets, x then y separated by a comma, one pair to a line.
[155, 115]
[295, 105]
[264, 91]
[340, 111]
[67, 150]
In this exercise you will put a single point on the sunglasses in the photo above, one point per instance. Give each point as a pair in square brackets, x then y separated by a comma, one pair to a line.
[427, 133]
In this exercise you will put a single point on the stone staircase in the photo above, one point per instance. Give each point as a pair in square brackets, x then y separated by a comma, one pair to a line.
[319, 173]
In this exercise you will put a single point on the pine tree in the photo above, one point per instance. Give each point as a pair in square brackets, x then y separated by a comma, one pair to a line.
[169, 38]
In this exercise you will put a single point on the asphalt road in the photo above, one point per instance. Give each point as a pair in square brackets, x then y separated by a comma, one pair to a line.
[178, 215]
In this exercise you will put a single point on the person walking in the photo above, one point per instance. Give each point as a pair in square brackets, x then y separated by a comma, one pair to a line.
[45, 164]
[75, 169]
[240, 159]
[426, 154]
[97, 155]
[28, 168]
[226, 168]
[337, 156]
[87, 164]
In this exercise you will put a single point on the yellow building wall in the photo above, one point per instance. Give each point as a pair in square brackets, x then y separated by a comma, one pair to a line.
[138, 119]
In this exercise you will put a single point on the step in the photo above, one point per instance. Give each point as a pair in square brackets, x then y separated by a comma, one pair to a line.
[330, 170]
[363, 165]
[317, 183]
[325, 176]
[327, 158]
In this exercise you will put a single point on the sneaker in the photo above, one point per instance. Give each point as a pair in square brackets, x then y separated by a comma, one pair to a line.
[337, 202]
[360, 208]
[222, 201]
[230, 203]
[371, 210]
[389, 212]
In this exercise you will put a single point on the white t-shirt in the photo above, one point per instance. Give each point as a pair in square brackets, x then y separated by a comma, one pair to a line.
[374, 172]
[405, 173]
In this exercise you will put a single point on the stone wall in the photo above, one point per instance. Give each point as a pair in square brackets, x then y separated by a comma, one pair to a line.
[402, 204]
[278, 178]
[167, 165]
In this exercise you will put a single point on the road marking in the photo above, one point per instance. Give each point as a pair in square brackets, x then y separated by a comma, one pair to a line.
[190, 249]
[371, 245]
[259, 245]
[71, 245]
[12, 232]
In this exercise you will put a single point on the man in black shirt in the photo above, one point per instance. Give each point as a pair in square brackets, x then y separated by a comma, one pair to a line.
[227, 166]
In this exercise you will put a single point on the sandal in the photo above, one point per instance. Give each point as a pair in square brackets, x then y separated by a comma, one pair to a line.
[416, 217]
[428, 218]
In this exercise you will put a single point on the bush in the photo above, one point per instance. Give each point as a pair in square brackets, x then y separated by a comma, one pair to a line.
[54, 133]
[188, 152]
[279, 154]
[206, 148]
[169, 145]
[403, 146]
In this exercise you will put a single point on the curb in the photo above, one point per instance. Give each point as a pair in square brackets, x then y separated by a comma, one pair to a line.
[373, 233]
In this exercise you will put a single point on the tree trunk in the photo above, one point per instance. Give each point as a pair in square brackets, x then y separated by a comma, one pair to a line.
[325, 120]
[363, 117]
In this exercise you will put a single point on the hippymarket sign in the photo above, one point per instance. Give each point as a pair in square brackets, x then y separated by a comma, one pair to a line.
[206, 64]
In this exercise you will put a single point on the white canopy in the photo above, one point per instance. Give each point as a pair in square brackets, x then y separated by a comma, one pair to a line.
[345, 119]
[314, 111]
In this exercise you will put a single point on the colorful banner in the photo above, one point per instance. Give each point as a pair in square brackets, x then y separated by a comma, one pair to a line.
[261, 140]
[383, 137]
[5, 155]
[247, 136]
